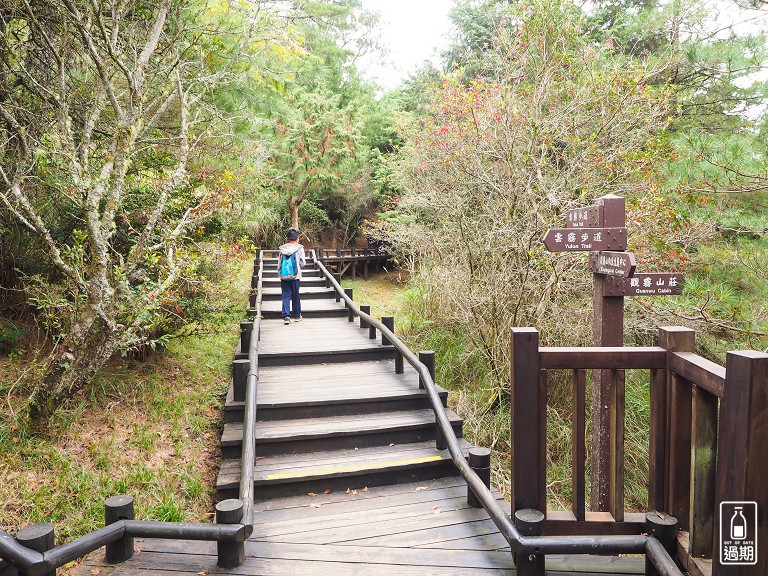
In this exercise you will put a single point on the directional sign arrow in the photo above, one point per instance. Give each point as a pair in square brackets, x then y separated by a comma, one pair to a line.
[614, 263]
[586, 217]
[646, 284]
[585, 239]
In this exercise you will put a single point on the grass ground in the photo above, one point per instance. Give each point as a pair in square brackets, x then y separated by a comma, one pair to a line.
[147, 428]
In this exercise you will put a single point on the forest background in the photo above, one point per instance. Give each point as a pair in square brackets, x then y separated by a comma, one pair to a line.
[146, 150]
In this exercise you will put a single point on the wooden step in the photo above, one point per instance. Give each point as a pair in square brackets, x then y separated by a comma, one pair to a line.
[274, 281]
[305, 273]
[316, 341]
[336, 470]
[332, 390]
[308, 293]
[329, 308]
[336, 432]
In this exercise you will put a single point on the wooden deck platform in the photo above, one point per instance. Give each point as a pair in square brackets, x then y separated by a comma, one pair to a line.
[347, 477]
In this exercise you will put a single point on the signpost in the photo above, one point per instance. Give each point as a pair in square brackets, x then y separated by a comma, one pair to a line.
[652, 284]
[587, 217]
[615, 263]
[601, 230]
[581, 239]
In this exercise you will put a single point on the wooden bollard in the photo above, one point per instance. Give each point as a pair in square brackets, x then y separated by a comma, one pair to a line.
[427, 357]
[118, 508]
[255, 281]
[337, 277]
[252, 299]
[529, 522]
[38, 537]
[365, 309]
[245, 336]
[399, 367]
[239, 377]
[350, 310]
[480, 462]
[389, 322]
[231, 554]
[664, 528]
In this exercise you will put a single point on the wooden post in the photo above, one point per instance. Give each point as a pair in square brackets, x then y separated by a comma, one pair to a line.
[389, 322]
[354, 263]
[350, 310]
[427, 357]
[480, 462]
[230, 554]
[657, 441]
[616, 411]
[664, 528]
[579, 453]
[529, 522]
[38, 537]
[704, 471]
[365, 309]
[118, 508]
[399, 367]
[608, 330]
[245, 336]
[678, 419]
[742, 455]
[239, 376]
[528, 426]
[337, 277]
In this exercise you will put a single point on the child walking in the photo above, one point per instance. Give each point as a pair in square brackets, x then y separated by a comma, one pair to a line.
[289, 265]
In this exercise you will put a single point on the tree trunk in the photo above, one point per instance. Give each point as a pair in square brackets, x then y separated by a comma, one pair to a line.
[293, 209]
[73, 365]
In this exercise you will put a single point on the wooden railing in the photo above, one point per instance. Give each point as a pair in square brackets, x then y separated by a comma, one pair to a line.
[708, 438]
[524, 530]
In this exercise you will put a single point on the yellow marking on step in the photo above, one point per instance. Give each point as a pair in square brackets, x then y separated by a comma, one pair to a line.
[374, 465]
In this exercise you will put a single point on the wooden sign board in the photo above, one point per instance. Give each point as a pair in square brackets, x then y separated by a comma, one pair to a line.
[614, 263]
[646, 284]
[586, 217]
[585, 239]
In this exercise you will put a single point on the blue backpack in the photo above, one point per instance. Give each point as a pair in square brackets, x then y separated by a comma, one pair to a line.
[289, 268]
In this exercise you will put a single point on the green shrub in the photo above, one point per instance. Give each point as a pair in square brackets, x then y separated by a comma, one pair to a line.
[10, 335]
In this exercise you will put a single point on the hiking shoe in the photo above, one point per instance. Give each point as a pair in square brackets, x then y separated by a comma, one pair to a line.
[286, 320]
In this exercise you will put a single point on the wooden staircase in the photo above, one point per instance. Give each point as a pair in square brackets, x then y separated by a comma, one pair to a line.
[331, 412]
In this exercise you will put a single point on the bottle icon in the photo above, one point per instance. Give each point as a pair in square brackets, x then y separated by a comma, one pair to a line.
[738, 524]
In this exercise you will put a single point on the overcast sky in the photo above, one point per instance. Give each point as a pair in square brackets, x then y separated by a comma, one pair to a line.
[414, 31]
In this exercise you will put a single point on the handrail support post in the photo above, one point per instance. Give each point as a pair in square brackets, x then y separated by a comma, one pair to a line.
[118, 508]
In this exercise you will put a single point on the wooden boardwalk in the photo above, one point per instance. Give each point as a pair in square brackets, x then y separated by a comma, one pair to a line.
[347, 478]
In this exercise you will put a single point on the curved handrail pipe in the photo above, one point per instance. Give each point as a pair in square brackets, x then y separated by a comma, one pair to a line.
[519, 543]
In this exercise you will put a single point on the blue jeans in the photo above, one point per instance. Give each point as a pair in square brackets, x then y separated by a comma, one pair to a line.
[290, 292]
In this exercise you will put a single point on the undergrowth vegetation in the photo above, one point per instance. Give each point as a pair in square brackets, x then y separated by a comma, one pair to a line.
[147, 427]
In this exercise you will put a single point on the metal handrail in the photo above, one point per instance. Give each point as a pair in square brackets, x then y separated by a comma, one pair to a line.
[248, 450]
[34, 563]
[519, 543]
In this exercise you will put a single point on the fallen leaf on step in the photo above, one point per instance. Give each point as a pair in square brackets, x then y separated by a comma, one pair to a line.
[202, 573]
[329, 491]
[354, 492]
[355, 449]
[96, 571]
[391, 444]
[349, 490]
[436, 510]
[365, 489]
[421, 489]
[311, 494]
